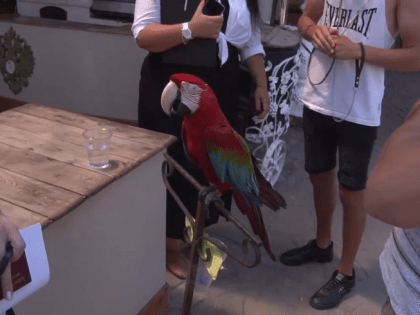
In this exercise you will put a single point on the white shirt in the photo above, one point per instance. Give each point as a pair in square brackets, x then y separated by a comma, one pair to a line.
[334, 97]
[239, 31]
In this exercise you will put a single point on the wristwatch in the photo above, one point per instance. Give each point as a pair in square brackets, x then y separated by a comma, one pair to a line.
[186, 33]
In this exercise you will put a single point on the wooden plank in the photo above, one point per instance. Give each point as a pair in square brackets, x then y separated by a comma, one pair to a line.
[47, 200]
[21, 217]
[158, 304]
[48, 170]
[62, 151]
[121, 147]
[136, 134]
[129, 122]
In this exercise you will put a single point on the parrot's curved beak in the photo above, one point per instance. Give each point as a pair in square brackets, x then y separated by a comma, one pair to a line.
[171, 101]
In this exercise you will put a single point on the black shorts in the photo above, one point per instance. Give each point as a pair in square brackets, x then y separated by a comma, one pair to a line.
[324, 135]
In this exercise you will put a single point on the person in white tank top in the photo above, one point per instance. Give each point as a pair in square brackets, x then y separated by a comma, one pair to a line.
[336, 118]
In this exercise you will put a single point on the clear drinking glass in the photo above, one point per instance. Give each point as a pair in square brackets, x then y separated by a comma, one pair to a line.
[97, 146]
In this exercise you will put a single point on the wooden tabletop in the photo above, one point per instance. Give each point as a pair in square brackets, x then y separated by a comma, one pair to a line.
[44, 171]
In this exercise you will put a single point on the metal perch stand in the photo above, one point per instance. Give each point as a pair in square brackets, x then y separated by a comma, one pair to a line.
[207, 197]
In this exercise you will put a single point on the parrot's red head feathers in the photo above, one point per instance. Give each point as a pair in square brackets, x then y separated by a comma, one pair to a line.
[192, 79]
[186, 94]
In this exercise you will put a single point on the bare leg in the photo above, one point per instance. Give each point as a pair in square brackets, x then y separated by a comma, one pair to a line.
[354, 220]
[325, 197]
[176, 262]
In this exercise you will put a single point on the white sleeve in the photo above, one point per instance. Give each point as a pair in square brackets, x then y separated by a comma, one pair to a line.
[146, 12]
[253, 46]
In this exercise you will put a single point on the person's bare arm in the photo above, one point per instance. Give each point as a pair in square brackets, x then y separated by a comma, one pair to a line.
[393, 189]
[161, 37]
[405, 59]
[319, 35]
[256, 67]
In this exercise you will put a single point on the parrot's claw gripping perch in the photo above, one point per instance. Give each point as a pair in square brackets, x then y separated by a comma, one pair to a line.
[209, 196]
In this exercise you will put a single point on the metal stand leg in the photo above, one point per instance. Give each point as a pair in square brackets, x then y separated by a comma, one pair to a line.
[208, 197]
[189, 288]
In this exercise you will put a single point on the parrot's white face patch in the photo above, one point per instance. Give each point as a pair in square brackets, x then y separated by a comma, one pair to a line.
[168, 96]
[190, 95]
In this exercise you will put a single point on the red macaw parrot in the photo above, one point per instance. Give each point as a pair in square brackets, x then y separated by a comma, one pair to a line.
[216, 148]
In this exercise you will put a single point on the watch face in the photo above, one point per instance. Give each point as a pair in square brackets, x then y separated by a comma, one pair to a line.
[186, 32]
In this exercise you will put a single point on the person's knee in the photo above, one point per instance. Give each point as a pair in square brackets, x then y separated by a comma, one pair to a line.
[352, 180]
[349, 195]
[321, 179]
[343, 193]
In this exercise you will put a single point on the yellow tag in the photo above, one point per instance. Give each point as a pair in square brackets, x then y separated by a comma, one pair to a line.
[190, 229]
[216, 261]
[214, 264]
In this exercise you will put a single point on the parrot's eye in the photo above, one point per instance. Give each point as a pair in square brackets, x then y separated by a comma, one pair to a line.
[190, 95]
[194, 88]
[189, 87]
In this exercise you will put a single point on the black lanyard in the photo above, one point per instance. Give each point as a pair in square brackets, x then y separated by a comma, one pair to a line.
[359, 67]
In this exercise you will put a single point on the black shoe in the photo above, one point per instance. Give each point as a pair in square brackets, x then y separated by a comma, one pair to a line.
[330, 295]
[307, 253]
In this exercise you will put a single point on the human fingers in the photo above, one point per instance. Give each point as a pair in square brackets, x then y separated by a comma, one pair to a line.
[325, 39]
[262, 102]
[319, 45]
[216, 21]
[266, 107]
[328, 33]
[257, 105]
[199, 11]
[206, 26]
[333, 31]
[217, 24]
[18, 244]
[196, 20]
[200, 6]
[318, 39]
[212, 30]
[7, 284]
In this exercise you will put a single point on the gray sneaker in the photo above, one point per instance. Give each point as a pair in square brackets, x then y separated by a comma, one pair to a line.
[330, 295]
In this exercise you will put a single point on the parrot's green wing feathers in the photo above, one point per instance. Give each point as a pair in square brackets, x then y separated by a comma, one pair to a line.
[231, 159]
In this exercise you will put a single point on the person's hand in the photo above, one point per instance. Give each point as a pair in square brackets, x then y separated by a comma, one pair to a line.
[321, 37]
[345, 49]
[205, 26]
[9, 232]
[262, 102]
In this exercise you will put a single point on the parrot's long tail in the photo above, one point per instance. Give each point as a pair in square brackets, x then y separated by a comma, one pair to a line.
[268, 195]
[254, 215]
